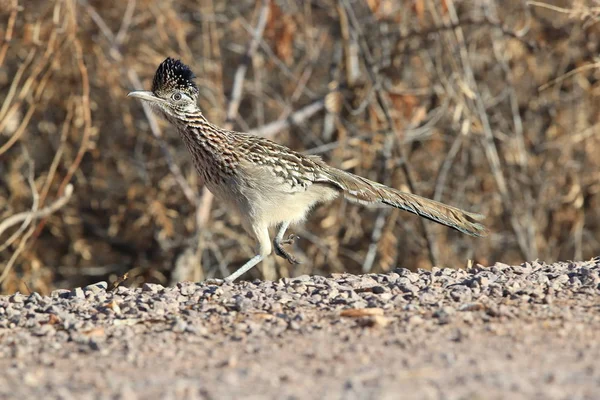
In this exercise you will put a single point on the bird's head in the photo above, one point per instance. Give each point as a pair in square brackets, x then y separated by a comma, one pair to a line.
[173, 89]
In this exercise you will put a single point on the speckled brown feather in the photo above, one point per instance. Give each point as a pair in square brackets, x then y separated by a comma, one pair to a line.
[364, 191]
[268, 183]
[218, 154]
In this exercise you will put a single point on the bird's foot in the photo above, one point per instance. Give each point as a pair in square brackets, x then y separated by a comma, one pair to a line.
[281, 252]
[284, 254]
[290, 240]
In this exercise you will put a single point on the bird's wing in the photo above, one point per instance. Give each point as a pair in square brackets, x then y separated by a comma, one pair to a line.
[294, 171]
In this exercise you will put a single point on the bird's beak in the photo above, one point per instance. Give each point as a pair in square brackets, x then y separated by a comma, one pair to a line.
[145, 95]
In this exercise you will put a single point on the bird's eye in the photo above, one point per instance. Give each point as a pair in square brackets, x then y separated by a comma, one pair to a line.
[176, 96]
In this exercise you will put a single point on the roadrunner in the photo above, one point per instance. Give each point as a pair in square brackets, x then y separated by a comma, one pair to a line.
[269, 184]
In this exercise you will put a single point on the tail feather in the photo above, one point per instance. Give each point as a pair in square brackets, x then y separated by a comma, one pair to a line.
[364, 191]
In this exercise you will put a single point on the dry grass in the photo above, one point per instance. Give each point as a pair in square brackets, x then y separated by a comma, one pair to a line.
[490, 106]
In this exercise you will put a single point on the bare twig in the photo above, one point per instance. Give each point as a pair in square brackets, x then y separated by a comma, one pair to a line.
[59, 153]
[569, 74]
[30, 216]
[85, 102]
[490, 148]
[14, 85]
[34, 207]
[581, 11]
[42, 213]
[446, 165]
[383, 103]
[531, 45]
[125, 23]
[294, 118]
[134, 79]
[240, 73]
[367, 264]
[99, 21]
[9, 30]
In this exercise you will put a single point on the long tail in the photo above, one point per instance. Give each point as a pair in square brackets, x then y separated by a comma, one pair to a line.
[364, 191]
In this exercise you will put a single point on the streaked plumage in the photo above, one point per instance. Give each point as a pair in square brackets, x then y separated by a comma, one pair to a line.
[269, 184]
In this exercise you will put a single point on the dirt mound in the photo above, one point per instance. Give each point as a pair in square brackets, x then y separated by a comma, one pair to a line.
[525, 331]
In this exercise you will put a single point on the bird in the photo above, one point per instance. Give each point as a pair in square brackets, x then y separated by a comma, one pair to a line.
[268, 184]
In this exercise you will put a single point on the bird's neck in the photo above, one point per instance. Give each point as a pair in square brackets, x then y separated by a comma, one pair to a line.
[211, 146]
[196, 120]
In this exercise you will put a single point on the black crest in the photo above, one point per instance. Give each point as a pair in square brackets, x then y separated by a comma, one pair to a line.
[174, 75]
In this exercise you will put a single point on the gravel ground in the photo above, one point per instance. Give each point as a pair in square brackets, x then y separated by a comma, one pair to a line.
[527, 331]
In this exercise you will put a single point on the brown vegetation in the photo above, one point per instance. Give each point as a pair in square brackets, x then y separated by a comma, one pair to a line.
[489, 106]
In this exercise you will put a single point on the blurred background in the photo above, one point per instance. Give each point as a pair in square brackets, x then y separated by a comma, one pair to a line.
[492, 106]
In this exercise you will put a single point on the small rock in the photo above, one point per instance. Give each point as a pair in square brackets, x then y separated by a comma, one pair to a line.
[186, 288]
[196, 330]
[561, 279]
[461, 293]
[522, 269]
[407, 287]
[179, 325]
[484, 281]
[468, 317]
[471, 307]
[114, 306]
[500, 266]
[240, 304]
[122, 290]
[16, 298]
[415, 320]
[78, 293]
[363, 312]
[495, 290]
[152, 287]
[405, 273]
[427, 297]
[94, 344]
[299, 288]
[385, 297]
[34, 298]
[60, 293]
[374, 321]
[378, 289]
[101, 297]
[443, 314]
[32, 379]
[96, 287]
[294, 325]
[44, 330]
[339, 300]
[301, 278]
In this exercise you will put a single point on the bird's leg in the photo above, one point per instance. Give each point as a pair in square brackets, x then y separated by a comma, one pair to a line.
[245, 268]
[279, 241]
[239, 272]
[264, 249]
